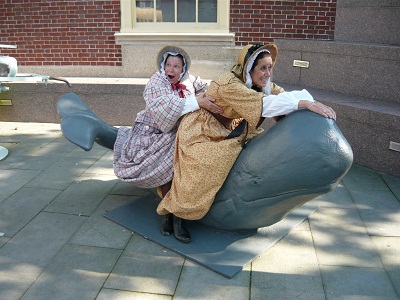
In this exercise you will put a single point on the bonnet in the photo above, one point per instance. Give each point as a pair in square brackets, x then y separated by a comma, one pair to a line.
[246, 59]
[174, 50]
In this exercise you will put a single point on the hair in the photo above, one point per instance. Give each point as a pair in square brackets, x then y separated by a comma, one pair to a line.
[178, 55]
[259, 56]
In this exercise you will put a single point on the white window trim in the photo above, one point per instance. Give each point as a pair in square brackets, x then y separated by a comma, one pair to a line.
[188, 33]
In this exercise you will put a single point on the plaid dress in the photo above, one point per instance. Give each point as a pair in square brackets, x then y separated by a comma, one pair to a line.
[143, 154]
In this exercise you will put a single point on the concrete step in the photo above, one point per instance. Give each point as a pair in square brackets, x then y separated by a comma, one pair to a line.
[359, 69]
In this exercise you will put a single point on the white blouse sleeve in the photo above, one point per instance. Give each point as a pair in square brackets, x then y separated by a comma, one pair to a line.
[190, 104]
[284, 103]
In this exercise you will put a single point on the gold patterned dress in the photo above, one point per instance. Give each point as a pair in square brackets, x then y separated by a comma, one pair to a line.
[203, 155]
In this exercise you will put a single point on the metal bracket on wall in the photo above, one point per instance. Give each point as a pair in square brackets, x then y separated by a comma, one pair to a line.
[5, 102]
[301, 63]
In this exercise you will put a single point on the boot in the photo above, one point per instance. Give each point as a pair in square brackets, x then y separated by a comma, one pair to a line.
[166, 225]
[181, 233]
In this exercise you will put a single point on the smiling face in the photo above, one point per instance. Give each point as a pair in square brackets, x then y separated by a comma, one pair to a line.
[173, 68]
[261, 70]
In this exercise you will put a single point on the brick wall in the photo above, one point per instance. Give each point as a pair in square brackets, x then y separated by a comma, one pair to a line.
[55, 33]
[255, 21]
[81, 32]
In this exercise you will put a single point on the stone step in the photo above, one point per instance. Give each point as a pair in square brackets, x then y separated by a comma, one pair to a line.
[359, 69]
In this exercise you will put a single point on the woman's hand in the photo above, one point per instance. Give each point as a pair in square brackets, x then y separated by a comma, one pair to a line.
[208, 104]
[319, 108]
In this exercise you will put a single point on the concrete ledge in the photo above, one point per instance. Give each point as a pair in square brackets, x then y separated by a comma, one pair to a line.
[115, 100]
[369, 126]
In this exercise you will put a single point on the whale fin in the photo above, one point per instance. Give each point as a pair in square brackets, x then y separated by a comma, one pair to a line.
[81, 126]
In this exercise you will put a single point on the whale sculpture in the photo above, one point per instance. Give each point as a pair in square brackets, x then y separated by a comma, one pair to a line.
[301, 157]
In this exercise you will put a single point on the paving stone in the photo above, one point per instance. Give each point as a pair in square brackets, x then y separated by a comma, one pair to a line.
[148, 269]
[95, 152]
[338, 197]
[343, 282]
[101, 232]
[304, 226]
[23, 162]
[55, 149]
[3, 239]
[26, 147]
[125, 188]
[393, 184]
[361, 178]
[389, 251]
[29, 251]
[60, 175]
[379, 210]
[12, 287]
[8, 148]
[202, 283]
[341, 239]
[14, 214]
[83, 196]
[288, 270]
[74, 265]
[103, 166]
[12, 180]
[107, 294]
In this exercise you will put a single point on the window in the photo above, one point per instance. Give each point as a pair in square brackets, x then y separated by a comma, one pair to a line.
[176, 11]
[158, 16]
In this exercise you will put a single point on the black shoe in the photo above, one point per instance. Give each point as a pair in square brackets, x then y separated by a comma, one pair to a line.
[166, 225]
[181, 233]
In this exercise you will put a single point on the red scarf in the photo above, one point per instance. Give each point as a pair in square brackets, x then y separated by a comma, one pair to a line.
[180, 88]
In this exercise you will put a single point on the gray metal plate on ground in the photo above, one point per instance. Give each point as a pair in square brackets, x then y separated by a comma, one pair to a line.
[223, 252]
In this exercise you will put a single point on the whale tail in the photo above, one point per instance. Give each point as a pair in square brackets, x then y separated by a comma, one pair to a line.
[81, 126]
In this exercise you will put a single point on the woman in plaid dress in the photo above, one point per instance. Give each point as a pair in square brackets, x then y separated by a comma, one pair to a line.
[143, 153]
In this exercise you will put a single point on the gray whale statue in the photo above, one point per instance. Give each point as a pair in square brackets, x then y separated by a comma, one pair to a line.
[302, 156]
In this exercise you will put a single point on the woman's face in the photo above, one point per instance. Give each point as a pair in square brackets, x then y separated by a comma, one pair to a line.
[261, 72]
[173, 68]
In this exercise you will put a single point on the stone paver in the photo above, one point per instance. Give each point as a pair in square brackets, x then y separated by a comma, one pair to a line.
[294, 277]
[13, 180]
[389, 249]
[343, 282]
[77, 272]
[56, 244]
[14, 214]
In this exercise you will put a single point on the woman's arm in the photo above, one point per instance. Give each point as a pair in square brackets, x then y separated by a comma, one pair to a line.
[193, 103]
[286, 102]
